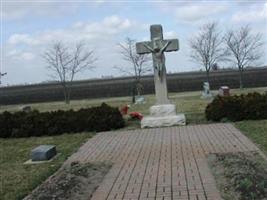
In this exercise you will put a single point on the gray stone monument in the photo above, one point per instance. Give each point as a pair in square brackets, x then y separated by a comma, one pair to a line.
[163, 113]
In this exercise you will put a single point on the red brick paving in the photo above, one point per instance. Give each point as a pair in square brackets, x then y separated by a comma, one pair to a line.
[162, 163]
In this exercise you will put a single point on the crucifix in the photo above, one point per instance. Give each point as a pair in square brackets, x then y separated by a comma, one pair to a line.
[163, 113]
[157, 46]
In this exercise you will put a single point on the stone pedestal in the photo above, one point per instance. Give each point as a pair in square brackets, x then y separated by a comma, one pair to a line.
[163, 115]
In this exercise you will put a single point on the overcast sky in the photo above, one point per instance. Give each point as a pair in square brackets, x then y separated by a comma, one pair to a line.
[29, 27]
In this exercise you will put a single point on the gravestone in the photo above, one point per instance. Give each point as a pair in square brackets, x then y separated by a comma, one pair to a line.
[163, 113]
[224, 91]
[26, 109]
[206, 91]
[140, 100]
[43, 152]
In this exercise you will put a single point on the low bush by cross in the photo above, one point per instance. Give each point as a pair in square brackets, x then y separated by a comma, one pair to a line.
[35, 123]
[236, 108]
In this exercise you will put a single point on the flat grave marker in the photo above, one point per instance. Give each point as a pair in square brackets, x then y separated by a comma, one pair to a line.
[43, 153]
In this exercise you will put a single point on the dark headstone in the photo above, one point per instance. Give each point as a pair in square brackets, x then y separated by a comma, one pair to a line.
[43, 152]
[224, 91]
[26, 109]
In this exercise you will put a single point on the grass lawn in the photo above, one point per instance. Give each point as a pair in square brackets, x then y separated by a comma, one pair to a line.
[18, 179]
[256, 130]
[189, 103]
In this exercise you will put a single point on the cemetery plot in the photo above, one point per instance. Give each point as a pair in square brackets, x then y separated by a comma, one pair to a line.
[16, 151]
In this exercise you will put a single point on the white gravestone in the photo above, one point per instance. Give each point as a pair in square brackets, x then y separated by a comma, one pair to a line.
[163, 113]
[140, 100]
[206, 91]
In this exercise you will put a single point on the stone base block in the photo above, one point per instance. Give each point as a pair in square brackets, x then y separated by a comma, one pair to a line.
[163, 110]
[151, 121]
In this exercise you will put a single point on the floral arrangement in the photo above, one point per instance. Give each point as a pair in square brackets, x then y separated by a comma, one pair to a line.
[133, 115]
[136, 115]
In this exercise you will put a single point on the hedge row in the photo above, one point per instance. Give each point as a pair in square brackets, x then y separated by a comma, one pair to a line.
[237, 108]
[35, 123]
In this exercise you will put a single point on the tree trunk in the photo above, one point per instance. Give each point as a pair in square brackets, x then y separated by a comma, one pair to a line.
[69, 92]
[133, 91]
[66, 95]
[241, 78]
[66, 99]
[138, 88]
[208, 76]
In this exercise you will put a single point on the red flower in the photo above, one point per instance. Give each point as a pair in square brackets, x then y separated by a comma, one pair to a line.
[136, 115]
[124, 110]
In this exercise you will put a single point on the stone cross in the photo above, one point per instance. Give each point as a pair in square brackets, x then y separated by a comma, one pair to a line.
[157, 46]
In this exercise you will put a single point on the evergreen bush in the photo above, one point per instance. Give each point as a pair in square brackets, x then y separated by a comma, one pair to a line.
[237, 108]
[35, 123]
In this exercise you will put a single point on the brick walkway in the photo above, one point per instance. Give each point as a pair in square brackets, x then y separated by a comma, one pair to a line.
[163, 163]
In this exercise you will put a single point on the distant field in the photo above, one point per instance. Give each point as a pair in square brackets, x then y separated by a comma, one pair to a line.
[122, 86]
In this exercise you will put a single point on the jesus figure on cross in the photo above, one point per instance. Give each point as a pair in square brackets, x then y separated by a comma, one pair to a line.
[159, 58]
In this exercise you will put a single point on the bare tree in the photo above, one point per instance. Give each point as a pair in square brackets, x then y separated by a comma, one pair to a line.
[65, 63]
[207, 47]
[2, 74]
[244, 48]
[140, 64]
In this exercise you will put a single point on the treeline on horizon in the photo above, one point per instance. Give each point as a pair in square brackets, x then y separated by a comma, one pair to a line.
[127, 76]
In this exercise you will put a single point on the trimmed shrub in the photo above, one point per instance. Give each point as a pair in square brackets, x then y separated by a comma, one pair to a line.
[237, 108]
[35, 123]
